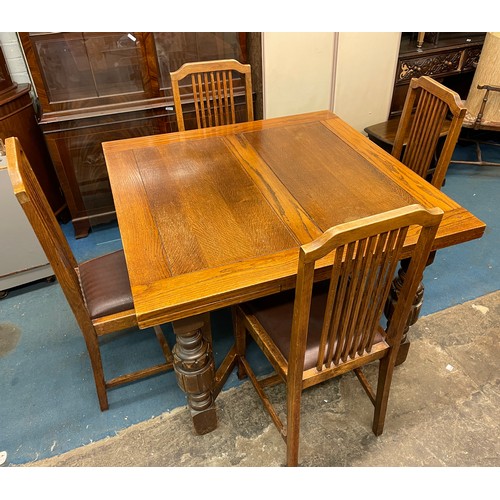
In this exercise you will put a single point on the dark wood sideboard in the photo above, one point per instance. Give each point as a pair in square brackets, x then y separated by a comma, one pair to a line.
[97, 87]
[449, 57]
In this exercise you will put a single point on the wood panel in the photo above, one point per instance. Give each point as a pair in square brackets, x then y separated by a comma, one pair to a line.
[326, 160]
[214, 214]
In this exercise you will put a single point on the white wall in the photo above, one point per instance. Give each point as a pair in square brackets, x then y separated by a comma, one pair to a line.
[13, 56]
[302, 71]
[297, 72]
[366, 66]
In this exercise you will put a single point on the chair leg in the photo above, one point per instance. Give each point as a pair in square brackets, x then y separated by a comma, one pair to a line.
[386, 369]
[167, 353]
[292, 426]
[92, 343]
[240, 335]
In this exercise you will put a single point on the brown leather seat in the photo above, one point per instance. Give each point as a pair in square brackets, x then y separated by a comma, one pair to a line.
[275, 314]
[105, 284]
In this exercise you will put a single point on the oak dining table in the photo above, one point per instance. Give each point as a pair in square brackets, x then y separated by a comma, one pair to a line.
[213, 217]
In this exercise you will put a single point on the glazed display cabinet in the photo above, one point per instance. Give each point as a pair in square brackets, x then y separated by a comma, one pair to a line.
[97, 87]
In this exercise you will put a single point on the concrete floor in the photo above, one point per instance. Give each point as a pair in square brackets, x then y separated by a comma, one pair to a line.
[443, 411]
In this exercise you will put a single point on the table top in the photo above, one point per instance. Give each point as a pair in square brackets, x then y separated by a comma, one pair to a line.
[213, 217]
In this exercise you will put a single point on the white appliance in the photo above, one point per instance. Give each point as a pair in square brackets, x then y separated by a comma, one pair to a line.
[22, 259]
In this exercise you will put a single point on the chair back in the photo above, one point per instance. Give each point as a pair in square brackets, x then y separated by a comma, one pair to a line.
[427, 106]
[212, 91]
[365, 254]
[48, 231]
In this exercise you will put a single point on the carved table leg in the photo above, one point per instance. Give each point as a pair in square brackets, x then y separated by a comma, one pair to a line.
[195, 371]
[396, 286]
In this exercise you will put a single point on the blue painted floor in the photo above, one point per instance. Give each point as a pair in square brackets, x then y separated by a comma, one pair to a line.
[48, 403]
[469, 270]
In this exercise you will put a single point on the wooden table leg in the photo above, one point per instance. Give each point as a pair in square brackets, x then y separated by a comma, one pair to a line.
[195, 371]
[396, 286]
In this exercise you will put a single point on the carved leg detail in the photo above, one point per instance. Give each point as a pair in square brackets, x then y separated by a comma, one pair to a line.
[195, 372]
[396, 287]
[413, 316]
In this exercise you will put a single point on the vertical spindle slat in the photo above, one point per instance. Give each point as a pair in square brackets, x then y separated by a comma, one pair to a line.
[231, 96]
[369, 284]
[220, 98]
[206, 98]
[226, 99]
[333, 330]
[326, 333]
[213, 99]
[356, 286]
[339, 327]
[197, 110]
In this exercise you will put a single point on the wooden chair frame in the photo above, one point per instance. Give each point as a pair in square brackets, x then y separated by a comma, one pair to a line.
[478, 124]
[213, 92]
[365, 254]
[427, 106]
[66, 269]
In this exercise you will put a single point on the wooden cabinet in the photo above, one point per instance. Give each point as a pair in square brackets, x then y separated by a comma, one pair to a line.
[96, 87]
[450, 58]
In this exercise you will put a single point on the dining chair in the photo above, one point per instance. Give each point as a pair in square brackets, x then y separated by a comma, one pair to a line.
[213, 92]
[431, 111]
[427, 105]
[97, 290]
[427, 134]
[322, 330]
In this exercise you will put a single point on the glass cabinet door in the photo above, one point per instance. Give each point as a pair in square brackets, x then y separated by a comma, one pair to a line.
[175, 49]
[96, 68]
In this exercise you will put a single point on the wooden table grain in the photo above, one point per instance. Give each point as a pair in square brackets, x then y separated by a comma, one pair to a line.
[213, 217]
